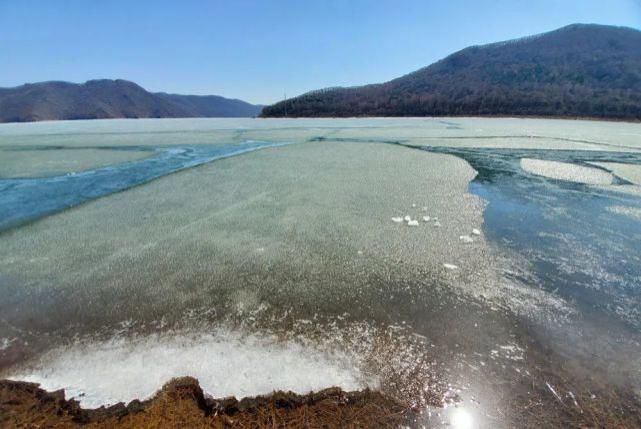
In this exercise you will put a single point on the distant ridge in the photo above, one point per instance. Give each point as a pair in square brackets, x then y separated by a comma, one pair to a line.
[582, 70]
[106, 98]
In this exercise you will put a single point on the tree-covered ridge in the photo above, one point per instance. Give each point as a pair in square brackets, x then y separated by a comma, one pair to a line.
[576, 71]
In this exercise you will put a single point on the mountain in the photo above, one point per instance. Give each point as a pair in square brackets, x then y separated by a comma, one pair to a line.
[212, 106]
[582, 70]
[108, 98]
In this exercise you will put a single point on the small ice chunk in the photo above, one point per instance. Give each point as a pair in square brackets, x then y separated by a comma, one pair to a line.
[412, 223]
[437, 224]
[5, 343]
[450, 266]
[554, 392]
[407, 218]
[476, 232]
[466, 239]
[426, 218]
[397, 219]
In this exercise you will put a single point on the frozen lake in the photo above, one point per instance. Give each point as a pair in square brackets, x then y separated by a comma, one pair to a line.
[491, 265]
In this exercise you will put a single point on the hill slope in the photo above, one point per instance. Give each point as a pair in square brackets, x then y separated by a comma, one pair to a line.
[107, 98]
[582, 70]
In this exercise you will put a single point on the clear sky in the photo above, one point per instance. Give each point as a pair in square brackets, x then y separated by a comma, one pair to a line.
[260, 50]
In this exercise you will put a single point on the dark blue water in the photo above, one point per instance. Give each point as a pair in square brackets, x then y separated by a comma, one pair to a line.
[575, 246]
[24, 200]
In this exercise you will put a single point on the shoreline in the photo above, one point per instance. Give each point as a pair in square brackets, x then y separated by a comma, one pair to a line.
[498, 116]
[182, 402]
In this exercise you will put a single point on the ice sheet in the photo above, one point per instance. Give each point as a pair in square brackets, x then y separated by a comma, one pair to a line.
[58, 161]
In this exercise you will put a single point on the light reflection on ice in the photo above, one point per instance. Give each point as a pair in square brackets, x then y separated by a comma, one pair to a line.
[461, 419]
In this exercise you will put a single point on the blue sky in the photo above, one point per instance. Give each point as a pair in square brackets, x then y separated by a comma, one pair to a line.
[260, 50]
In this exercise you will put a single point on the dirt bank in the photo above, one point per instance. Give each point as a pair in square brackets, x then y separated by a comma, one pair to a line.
[182, 403]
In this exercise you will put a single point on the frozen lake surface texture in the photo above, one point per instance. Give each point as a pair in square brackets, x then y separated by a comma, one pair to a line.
[484, 271]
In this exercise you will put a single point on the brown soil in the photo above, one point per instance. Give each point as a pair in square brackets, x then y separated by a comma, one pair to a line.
[181, 403]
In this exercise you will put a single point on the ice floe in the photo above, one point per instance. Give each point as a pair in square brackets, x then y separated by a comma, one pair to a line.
[629, 172]
[565, 171]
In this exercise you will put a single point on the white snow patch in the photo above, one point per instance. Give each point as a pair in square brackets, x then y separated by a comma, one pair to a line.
[476, 232]
[397, 219]
[466, 239]
[225, 364]
[568, 172]
[412, 223]
[450, 266]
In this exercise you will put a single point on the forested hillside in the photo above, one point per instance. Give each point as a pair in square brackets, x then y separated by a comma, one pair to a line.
[577, 71]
